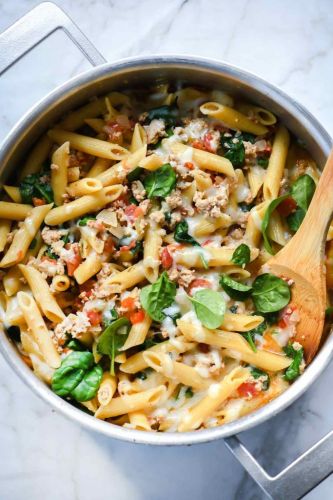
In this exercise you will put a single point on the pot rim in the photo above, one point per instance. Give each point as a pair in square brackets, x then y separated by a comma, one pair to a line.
[275, 406]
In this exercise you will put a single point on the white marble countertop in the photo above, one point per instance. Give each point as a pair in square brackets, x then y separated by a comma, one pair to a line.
[42, 455]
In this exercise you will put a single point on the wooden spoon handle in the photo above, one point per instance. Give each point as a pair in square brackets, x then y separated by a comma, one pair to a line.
[311, 236]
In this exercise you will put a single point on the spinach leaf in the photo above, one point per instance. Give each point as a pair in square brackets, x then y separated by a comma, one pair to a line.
[137, 248]
[158, 296]
[265, 223]
[160, 182]
[295, 219]
[33, 244]
[303, 190]
[113, 338]
[235, 290]
[328, 311]
[36, 186]
[262, 162]
[109, 316]
[76, 345]
[71, 372]
[151, 341]
[189, 393]
[89, 385]
[84, 221]
[48, 252]
[242, 255]
[246, 136]
[181, 234]
[209, 307]
[250, 337]
[257, 373]
[234, 151]
[167, 113]
[270, 293]
[293, 371]
[135, 174]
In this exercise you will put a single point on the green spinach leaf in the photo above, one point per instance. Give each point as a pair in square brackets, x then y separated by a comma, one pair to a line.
[209, 307]
[113, 338]
[167, 113]
[84, 221]
[257, 373]
[262, 162]
[158, 296]
[295, 219]
[73, 369]
[234, 150]
[235, 290]
[36, 186]
[293, 371]
[270, 293]
[242, 255]
[87, 388]
[76, 345]
[135, 174]
[160, 182]
[266, 220]
[181, 234]
[303, 190]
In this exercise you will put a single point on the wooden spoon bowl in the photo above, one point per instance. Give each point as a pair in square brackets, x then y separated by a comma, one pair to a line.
[302, 261]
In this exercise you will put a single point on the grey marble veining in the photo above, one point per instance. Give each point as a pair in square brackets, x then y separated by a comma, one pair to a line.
[42, 455]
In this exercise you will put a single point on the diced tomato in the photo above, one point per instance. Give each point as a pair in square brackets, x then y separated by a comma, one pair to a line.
[128, 303]
[207, 142]
[137, 316]
[133, 212]
[114, 131]
[197, 144]
[166, 258]
[109, 245]
[199, 283]
[189, 165]
[247, 389]
[44, 258]
[38, 202]
[95, 317]
[285, 316]
[286, 207]
[74, 261]
[282, 323]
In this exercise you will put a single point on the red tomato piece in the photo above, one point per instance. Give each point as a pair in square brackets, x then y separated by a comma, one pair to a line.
[199, 283]
[74, 261]
[137, 317]
[109, 245]
[95, 317]
[286, 207]
[38, 202]
[189, 165]
[133, 212]
[87, 287]
[166, 258]
[247, 389]
[128, 303]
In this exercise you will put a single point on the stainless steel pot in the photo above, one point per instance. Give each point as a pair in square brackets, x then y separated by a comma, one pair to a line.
[312, 467]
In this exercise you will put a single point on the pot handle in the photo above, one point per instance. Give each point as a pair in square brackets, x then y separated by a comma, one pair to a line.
[296, 480]
[34, 27]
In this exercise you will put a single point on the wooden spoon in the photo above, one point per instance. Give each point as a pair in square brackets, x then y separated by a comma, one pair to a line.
[302, 260]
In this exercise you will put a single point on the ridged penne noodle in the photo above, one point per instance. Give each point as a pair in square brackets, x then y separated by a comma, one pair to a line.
[260, 115]
[36, 157]
[262, 359]
[42, 293]
[217, 394]
[232, 118]
[87, 185]
[89, 267]
[38, 329]
[5, 225]
[209, 225]
[151, 162]
[205, 160]
[276, 165]
[13, 193]
[59, 169]
[135, 402]
[137, 362]
[253, 229]
[14, 211]
[181, 373]
[90, 145]
[60, 283]
[138, 333]
[118, 172]
[100, 165]
[12, 282]
[241, 322]
[255, 177]
[97, 124]
[193, 257]
[151, 250]
[83, 205]
[139, 421]
[139, 138]
[77, 118]
[24, 236]
[107, 389]
[125, 279]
